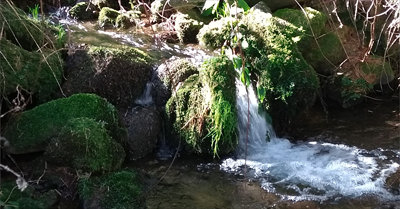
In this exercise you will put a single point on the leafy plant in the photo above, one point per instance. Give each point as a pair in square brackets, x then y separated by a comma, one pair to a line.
[34, 11]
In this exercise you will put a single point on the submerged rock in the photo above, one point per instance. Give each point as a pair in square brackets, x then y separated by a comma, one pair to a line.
[33, 130]
[85, 145]
[120, 189]
[118, 74]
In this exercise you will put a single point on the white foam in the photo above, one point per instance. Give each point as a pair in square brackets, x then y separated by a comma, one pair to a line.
[306, 171]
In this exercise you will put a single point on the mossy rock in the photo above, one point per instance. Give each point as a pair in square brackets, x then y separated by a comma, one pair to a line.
[216, 32]
[100, 4]
[313, 24]
[84, 144]
[325, 56]
[346, 91]
[290, 82]
[117, 74]
[34, 72]
[34, 129]
[203, 110]
[187, 28]
[107, 16]
[83, 11]
[127, 19]
[122, 190]
[377, 70]
[176, 71]
[28, 33]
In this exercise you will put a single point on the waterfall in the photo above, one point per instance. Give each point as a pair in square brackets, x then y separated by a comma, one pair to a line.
[306, 171]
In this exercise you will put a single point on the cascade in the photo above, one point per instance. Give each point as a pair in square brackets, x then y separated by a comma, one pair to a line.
[306, 171]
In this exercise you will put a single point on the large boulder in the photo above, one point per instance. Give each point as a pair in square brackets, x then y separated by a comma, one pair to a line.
[118, 74]
[83, 11]
[144, 125]
[85, 145]
[216, 32]
[202, 112]
[187, 28]
[32, 130]
[377, 70]
[122, 189]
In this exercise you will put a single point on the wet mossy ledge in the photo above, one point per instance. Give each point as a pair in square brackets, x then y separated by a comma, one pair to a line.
[203, 109]
[33, 130]
[121, 189]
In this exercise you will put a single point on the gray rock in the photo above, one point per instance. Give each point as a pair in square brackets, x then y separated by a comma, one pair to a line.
[262, 7]
[144, 126]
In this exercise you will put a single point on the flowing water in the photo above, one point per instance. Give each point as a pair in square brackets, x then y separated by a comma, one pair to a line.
[306, 171]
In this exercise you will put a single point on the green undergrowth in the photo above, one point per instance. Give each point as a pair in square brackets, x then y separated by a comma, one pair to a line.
[85, 145]
[37, 73]
[121, 189]
[28, 33]
[203, 110]
[34, 129]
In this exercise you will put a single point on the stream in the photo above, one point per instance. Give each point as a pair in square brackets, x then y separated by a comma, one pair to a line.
[326, 169]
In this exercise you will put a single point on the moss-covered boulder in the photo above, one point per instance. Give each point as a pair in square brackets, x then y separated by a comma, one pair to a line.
[203, 110]
[377, 70]
[122, 190]
[32, 130]
[83, 11]
[187, 28]
[35, 73]
[108, 17]
[321, 49]
[100, 4]
[117, 74]
[84, 144]
[216, 33]
[29, 33]
[325, 56]
[127, 19]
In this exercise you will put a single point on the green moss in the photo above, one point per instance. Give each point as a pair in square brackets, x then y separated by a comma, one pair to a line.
[124, 52]
[203, 111]
[28, 33]
[33, 72]
[107, 16]
[187, 28]
[216, 33]
[34, 129]
[178, 71]
[85, 145]
[120, 190]
[291, 83]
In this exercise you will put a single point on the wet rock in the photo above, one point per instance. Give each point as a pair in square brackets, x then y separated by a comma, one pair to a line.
[108, 17]
[117, 74]
[377, 70]
[144, 126]
[183, 5]
[393, 182]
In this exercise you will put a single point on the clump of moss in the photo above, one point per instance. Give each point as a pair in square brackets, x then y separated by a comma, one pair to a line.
[120, 189]
[217, 32]
[34, 72]
[203, 110]
[187, 28]
[291, 83]
[34, 129]
[82, 11]
[177, 71]
[107, 16]
[85, 145]
[28, 33]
